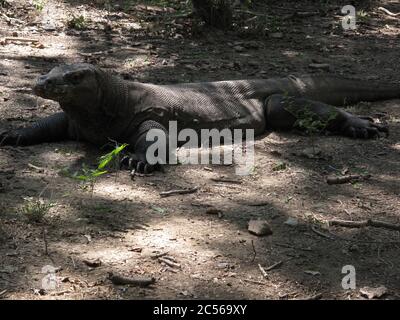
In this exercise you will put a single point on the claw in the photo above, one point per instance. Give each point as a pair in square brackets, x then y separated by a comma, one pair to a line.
[124, 162]
[364, 127]
[133, 164]
[132, 174]
[140, 167]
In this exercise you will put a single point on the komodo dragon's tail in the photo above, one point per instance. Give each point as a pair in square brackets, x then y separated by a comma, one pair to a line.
[339, 92]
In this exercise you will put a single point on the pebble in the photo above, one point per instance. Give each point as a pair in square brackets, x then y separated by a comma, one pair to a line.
[259, 228]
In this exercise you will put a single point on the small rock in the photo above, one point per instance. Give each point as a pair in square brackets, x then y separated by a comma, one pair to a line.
[49, 27]
[184, 293]
[259, 228]
[149, 47]
[88, 238]
[92, 263]
[293, 222]
[372, 293]
[223, 265]
[39, 292]
[164, 62]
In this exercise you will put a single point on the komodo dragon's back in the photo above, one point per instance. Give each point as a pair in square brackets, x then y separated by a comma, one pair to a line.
[224, 104]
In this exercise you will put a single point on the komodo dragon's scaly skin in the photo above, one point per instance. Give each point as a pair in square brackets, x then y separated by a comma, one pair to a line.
[98, 107]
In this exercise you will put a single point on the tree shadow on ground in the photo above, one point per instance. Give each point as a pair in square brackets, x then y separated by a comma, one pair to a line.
[111, 221]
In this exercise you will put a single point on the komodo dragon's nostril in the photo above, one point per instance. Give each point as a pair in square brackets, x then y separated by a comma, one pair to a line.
[42, 81]
[49, 82]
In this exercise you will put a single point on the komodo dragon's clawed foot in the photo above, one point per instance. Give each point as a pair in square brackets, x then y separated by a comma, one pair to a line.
[363, 127]
[133, 163]
[9, 138]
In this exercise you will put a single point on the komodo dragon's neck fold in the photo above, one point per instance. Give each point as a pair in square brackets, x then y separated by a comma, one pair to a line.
[113, 101]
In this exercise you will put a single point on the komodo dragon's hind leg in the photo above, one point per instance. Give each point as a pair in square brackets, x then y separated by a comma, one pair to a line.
[285, 113]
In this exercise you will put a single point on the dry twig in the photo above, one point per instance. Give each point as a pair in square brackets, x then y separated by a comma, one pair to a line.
[226, 180]
[264, 273]
[364, 223]
[169, 263]
[347, 178]
[136, 281]
[389, 12]
[254, 251]
[178, 191]
[275, 265]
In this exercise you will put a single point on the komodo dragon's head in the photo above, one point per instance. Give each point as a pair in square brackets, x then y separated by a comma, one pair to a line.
[71, 85]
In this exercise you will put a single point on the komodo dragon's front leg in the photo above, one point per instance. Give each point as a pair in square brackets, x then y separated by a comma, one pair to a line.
[140, 160]
[285, 113]
[56, 127]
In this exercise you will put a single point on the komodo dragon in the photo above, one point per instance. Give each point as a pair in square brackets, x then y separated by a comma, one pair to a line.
[98, 106]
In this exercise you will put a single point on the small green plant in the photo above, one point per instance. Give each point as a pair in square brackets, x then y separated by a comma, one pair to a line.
[111, 158]
[279, 166]
[159, 210]
[35, 209]
[91, 175]
[77, 22]
[362, 16]
[39, 4]
[309, 121]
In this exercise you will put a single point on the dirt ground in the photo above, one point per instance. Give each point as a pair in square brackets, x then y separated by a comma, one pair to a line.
[127, 225]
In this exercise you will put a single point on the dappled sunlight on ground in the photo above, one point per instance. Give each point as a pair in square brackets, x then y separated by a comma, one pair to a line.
[126, 224]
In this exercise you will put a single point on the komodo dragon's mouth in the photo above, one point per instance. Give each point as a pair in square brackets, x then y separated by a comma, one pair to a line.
[49, 89]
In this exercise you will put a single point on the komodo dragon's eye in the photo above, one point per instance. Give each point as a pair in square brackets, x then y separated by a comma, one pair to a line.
[74, 77]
